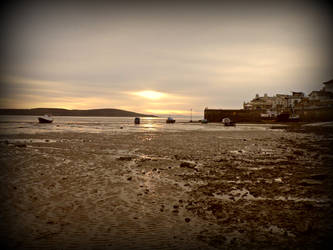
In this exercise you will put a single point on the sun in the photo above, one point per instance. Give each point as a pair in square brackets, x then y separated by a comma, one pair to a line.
[150, 94]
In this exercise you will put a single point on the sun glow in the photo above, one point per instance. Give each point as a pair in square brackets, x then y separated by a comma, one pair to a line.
[150, 94]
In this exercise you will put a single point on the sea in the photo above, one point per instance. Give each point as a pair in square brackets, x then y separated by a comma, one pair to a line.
[29, 125]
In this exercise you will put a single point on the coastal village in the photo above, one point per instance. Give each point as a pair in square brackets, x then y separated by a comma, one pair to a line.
[274, 105]
[317, 106]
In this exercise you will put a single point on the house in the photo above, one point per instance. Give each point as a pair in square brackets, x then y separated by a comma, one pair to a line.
[259, 103]
[295, 99]
[321, 95]
[328, 86]
[280, 102]
[267, 103]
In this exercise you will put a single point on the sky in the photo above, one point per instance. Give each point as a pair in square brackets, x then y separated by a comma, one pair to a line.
[161, 57]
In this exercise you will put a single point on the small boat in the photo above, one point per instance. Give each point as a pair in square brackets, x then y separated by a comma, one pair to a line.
[137, 120]
[294, 118]
[228, 122]
[170, 120]
[45, 119]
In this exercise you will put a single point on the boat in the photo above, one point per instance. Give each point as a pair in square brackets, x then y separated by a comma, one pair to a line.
[228, 122]
[204, 121]
[170, 120]
[45, 119]
[137, 120]
[294, 118]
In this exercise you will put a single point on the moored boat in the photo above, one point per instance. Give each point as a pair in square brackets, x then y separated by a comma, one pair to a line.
[137, 120]
[227, 122]
[170, 120]
[45, 119]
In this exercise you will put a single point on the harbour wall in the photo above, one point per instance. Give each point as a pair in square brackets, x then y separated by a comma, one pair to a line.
[241, 115]
[236, 115]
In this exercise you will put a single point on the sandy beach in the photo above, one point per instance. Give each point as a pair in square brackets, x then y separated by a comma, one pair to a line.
[266, 189]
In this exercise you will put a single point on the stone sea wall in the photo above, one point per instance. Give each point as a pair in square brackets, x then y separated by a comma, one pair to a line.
[240, 115]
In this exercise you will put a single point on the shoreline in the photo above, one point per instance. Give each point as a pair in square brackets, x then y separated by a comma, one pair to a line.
[189, 190]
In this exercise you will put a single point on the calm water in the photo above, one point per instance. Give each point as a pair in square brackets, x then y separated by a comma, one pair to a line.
[30, 125]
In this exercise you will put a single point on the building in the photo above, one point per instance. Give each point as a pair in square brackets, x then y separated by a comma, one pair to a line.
[318, 106]
[319, 98]
[320, 95]
[259, 103]
[328, 86]
[274, 104]
[280, 102]
[295, 99]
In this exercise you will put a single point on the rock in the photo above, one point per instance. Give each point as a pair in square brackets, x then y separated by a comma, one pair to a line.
[290, 157]
[285, 189]
[318, 176]
[309, 182]
[175, 206]
[125, 158]
[129, 178]
[278, 180]
[298, 152]
[20, 145]
[187, 220]
[304, 226]
[187, 165]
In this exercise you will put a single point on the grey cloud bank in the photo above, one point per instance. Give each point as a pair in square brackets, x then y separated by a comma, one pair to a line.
[217, 55]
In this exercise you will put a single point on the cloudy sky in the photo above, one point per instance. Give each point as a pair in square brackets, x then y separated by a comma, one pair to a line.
[158, 57]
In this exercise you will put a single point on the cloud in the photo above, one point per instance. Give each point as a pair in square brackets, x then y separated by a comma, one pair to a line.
[200, 55]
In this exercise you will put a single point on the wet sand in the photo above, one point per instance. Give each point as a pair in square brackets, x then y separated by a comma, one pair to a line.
[156, 190]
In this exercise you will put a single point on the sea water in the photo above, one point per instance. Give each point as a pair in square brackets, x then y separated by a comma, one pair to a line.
[30, 125]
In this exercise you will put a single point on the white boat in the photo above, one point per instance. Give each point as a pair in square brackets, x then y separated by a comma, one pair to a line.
[45, 119]
[228, 122]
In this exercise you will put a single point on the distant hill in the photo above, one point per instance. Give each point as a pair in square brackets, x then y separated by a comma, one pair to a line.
[67, 112]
